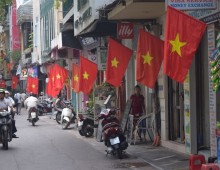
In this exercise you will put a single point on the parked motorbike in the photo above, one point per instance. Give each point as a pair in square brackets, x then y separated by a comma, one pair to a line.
[59, 109]
[112, 133]
[68, 116]
[5, 128]
[86, 124]
[33, 118]
[45, 107]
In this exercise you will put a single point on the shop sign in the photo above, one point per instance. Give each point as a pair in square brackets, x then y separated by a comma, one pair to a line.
[102, 58]
[192, 4]
[24, 73]
[201, 13]
[125, 30]
[211, 18]
[187, 114]
[212, 95]
[33, 72]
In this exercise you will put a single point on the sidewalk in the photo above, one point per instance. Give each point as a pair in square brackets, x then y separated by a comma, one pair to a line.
[142, 156]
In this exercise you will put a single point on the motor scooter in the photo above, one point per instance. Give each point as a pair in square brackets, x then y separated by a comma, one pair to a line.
[33, 117]
[86, 123]
[5, 128]
[45, 107]
[112, 133]
[68, 116]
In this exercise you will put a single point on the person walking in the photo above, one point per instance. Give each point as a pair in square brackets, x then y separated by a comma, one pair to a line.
[17, 98]
[23, 97]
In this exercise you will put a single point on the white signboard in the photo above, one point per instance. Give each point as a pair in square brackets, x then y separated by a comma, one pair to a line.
[212, 95]
[192, 4]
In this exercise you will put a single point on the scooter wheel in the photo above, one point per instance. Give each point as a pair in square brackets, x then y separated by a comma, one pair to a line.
[58, 117]
[81, 133]
[119, 152]
[88, 130]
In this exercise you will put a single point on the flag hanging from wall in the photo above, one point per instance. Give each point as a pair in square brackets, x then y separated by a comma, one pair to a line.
[117, 62]
[182, 38]
[150, 52]
[88, 74]
[75, 77]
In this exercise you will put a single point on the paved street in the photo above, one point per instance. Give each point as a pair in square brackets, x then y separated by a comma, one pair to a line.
[48, 147]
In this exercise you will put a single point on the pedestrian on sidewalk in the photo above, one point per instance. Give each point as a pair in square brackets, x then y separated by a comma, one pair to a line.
[138, 108]
[17, 99]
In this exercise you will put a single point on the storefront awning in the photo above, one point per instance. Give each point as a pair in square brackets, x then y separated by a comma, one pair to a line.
[100, 28]
[70, 41]
[137, 9]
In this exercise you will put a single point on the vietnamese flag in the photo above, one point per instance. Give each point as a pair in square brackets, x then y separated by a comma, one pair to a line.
[88, 74]
[150, 52]
[117, 61]
[75, 77]
[182, 38]
[32, 85]
[14, 82]
[60, 75]
[49, 86]
[2, 84]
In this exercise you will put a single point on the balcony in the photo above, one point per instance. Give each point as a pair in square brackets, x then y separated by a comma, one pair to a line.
[68, 10]
[67, 5]
[25, 13]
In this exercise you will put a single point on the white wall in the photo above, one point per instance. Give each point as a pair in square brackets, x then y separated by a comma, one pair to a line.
[36, 31]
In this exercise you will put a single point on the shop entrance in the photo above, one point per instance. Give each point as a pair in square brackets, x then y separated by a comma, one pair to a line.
[176, 111]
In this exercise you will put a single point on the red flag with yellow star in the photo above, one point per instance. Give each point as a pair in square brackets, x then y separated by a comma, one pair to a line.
[50, 90]
[150, 52]
[14, 82]
[60, 75]
[75, 77]
[32, 85]
[88, 74]
[182, 38]
[117, 62]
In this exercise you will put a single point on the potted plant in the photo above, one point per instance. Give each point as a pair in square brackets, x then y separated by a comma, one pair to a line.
[218, 129]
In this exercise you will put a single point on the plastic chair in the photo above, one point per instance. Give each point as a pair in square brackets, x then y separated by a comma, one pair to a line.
[196, 161]
[211, 166]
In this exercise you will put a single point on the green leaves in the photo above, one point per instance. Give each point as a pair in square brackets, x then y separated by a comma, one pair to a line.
[3, 6]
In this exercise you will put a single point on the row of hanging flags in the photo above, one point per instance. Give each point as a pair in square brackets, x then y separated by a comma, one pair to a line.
[182, 37]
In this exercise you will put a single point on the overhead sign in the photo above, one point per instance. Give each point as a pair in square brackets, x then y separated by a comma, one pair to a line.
[192, 4]
[125, 30]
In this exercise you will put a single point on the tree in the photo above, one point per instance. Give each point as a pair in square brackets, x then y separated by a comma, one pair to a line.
[3, 9]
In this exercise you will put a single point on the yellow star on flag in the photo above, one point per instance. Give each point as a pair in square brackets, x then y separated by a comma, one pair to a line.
[115, 63]
[58, 76]
[86, 75]
[33, 85]
[147, 58]
[76, 78]
[177, 44]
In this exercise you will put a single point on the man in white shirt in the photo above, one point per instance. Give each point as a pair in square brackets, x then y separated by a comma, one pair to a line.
[10, 102]
[29, 103]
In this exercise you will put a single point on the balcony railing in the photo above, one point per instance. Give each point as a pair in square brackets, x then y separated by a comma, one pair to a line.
[67, 6]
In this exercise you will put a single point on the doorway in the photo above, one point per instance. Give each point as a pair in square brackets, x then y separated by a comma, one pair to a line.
[176, 111]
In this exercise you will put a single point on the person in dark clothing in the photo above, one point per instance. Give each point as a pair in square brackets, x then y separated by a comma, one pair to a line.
[138, 107]
[4, 106]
